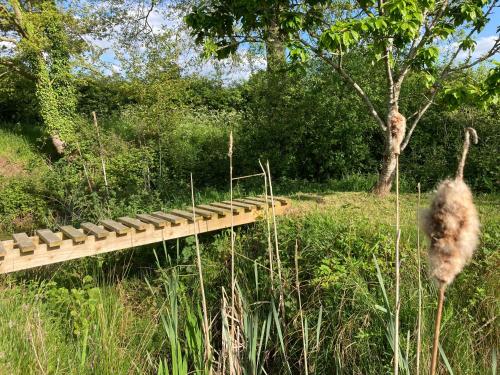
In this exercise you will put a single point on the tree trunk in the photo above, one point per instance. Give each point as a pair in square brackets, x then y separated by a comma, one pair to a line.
[387, 173]
[275, 48]
[57, 127]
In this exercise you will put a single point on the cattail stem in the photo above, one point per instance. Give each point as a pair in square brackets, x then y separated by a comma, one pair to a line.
[396, 315]
[206, 326]
[233, 278]
[437, 328]
[278, 261]
[419, 318]
[268, 220]
[301, 311]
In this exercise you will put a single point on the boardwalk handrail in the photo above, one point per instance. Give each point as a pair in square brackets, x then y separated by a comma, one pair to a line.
[47, 247]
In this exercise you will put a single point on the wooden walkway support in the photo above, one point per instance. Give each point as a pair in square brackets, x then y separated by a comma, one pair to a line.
[47, 247]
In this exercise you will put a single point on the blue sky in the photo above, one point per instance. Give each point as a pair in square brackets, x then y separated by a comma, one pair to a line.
[231, 71]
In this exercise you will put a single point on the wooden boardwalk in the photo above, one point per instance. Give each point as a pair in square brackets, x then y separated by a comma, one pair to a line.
[47, 247]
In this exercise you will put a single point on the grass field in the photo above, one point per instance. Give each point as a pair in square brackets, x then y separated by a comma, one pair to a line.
[127, 312]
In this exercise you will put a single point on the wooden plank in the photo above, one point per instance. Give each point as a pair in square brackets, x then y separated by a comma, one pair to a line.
[25, 244]
[186, 215]
[172, 219]
[49, 237]
[205, 213]
[115, 226]
[256, 203]
[219, 211]
[134, 223]
[262, 201]
[246, 206]
[95, 230]
[92, 246]
[2, 250]
[73, 233]
[283, 201]
[156, 221]
[236, 209]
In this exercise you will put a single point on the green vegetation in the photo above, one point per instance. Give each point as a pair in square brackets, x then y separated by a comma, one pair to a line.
[114, 314]
[139, 310]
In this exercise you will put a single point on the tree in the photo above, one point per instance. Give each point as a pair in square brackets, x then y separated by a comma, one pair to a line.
[42, 40]
[216, 23]
[433, 37]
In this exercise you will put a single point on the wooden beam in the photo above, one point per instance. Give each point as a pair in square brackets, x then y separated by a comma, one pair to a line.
[157, 222]
[283, 201]
[236, 209]
[73, 233]
[173, 219]
[115, 226]
[49, 237]
[2, 251]
[24, 243]
[187, 215]
[246, 206]
[205, 213]
[255, 203]
[219, 211]
[25, 252]
[133, 223]
[95, 230]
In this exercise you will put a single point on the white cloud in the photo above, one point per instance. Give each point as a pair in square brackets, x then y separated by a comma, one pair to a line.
[483, 45]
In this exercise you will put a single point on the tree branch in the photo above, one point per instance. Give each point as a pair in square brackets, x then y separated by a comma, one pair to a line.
[444, 73]
[419, 115]
[8, 40]
[493, 50]
[17, 69]
[417, 46]
[347, 78]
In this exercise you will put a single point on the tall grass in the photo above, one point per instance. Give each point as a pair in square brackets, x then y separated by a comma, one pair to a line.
[343, 323]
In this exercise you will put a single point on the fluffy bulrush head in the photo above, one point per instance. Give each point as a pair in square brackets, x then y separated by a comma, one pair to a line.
[452, 225]
[397, 127]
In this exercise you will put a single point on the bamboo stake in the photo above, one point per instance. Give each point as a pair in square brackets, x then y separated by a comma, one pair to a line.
[398, 235]
[101, 153]
[85, 171]
[233, 278]
[419, 318]
[437, 328]
[206, 328]
[297, 285]
[248, 176]
[268, 220]
[282, 298]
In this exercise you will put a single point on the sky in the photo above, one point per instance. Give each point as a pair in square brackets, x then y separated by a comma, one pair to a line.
[230, 70]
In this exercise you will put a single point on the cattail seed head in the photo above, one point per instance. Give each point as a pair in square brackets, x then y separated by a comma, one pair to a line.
[397, 127]
[452, 224]
[230, 151]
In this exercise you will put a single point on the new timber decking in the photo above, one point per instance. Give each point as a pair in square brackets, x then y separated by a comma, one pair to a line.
[47, 247]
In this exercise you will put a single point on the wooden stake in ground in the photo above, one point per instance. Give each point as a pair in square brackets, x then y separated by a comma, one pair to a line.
[206, 326]
[232, 323]
[268, 220]
[278, 260]
[101, 152]
[301, 312]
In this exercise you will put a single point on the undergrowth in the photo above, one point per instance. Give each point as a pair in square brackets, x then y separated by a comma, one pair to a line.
[138, 311]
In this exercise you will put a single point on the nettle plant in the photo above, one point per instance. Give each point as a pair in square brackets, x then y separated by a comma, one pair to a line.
[434, 39]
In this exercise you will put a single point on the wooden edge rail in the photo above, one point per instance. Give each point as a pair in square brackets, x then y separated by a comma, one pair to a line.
[47, 247]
